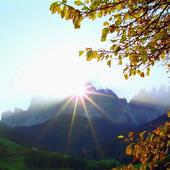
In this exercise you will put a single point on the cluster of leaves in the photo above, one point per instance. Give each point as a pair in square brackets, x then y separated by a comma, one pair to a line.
[149, 148]
[139, 30]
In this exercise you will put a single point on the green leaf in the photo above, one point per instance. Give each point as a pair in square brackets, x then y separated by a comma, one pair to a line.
[148, 71]
[120, 137]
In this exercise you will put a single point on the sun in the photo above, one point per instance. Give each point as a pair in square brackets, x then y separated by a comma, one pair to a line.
[80, 91]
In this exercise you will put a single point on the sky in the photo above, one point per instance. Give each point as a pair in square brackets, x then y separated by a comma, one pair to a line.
[39, 56]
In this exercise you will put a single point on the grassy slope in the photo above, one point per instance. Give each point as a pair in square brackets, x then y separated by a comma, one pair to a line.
[14, 156]
[14, 160]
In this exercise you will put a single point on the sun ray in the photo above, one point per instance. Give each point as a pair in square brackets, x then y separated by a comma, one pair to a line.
[96, 106]
[64, 106]
[91, 127]
[72, 123]
[97, 93]
[58, 113]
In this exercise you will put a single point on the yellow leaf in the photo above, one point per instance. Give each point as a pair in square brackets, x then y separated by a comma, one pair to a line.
[129, 150]
[168, 114]
[119, 7]
[64, 1]
[126, 76]
[109, 63]
[77, 2]
[81, 53]
[105, 23]
[99, 14]
[137, 15]
[120, 62]
[54, 7]
[138, 72]
[126, 16]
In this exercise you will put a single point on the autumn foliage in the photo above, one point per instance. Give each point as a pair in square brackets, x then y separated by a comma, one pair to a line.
[151, 148]
[139, 31]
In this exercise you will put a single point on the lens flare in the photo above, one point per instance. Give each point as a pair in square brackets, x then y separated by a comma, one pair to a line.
[79, 91]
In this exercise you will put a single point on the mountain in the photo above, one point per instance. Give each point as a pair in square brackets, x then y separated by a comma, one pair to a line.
[154, 123]
[99, 118]
[100, 103]
[159, 97]
[92, 141]
[54, 136]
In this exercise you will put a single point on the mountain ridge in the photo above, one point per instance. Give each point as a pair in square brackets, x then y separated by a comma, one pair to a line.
[102, 102]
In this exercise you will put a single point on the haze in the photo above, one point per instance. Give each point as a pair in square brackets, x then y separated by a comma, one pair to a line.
[39, 56]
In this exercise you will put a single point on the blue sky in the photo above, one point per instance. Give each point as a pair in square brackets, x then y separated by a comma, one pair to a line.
[39, 56]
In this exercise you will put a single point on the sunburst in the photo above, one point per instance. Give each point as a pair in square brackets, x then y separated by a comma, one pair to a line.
[80, 95]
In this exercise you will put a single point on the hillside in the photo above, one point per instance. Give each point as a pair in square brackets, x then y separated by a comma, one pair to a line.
[16, 157]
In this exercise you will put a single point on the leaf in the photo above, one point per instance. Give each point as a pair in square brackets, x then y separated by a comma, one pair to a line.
[168, 114]
[141, 134]
[109, 63]
[126, 76]
[119, 7]
[137, 15]
[142, 74]
[129, 150]
[120, 137]
[81, 53]
[123, 38]
[131, 136]
[64, 1]
[54, 7]
[126, 17]
[99, 14]
[78, 3]
[148, 71]
[118, 21]
[104, 34]
[116, 50]
[105, 23]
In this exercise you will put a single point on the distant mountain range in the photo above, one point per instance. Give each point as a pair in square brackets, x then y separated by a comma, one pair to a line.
[159, 97]
[102, 103]
[48, 124]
